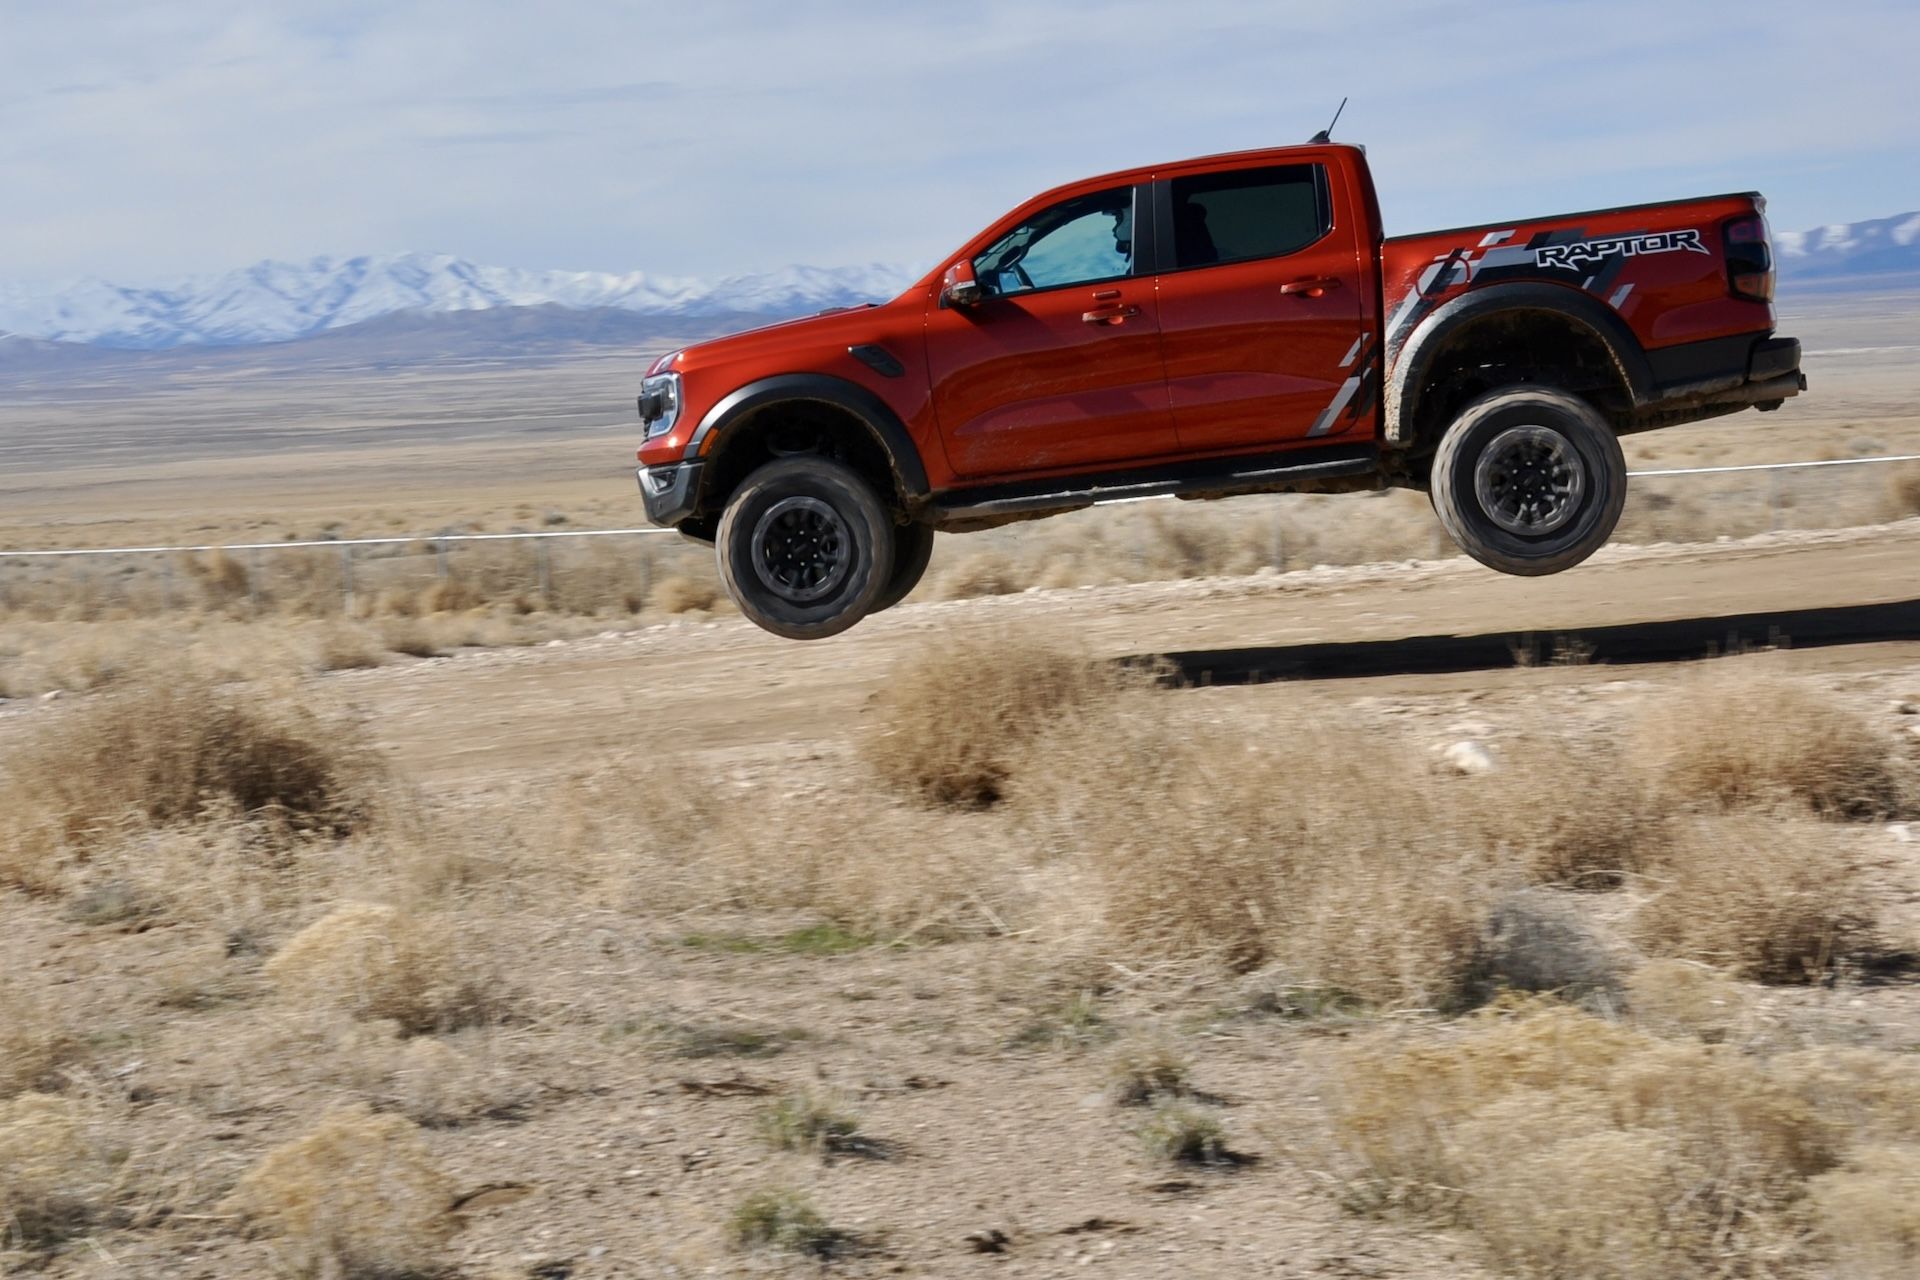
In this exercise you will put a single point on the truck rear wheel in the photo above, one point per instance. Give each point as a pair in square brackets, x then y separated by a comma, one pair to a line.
[805, 547]
[912, 549]
[1529, 480]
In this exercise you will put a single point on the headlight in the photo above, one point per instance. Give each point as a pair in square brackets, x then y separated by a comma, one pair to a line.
[660, 403]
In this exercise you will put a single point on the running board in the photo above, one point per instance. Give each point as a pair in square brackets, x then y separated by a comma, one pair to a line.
[1214, 478]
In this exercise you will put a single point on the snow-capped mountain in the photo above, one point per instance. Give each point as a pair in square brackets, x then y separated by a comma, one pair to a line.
[279, 301]
[1883, 246]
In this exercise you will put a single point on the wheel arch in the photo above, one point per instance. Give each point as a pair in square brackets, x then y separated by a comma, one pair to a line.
[736, 431]
[1578, 324]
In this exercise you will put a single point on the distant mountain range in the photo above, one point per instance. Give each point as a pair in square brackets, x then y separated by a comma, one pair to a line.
[1852, 250]
[278, 302]
[282, 301]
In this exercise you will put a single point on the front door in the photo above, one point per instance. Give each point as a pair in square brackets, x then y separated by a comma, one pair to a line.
[1260, 309]
[1058, 366]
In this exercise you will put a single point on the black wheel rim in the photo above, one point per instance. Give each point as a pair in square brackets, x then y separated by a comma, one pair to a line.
[1530, 480]
[802, 549]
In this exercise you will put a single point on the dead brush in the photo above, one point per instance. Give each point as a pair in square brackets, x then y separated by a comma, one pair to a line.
[1733, 738]
[951, 724]
[1869, 1213]
[1771, 899]
[35, 1039]
[1573, 817]
[676, 593]
[360, 1195]
[376, 961]
[56, 1181]
[1146, 1069]
[810, 1121]
[1903, 492]
[1334, 858]
[169, 747]
[1574, 1146]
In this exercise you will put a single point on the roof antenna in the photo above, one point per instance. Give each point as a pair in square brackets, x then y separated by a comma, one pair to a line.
[1326, 134]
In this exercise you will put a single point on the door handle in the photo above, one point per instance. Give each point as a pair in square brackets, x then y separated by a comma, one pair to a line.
[1109, 315]
[1105, 295]
[1313, 288]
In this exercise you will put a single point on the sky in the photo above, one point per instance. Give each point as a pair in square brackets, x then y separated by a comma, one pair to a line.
[143, 140]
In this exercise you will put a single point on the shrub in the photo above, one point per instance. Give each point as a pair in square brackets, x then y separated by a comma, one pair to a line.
[1572, 818]
[1148, 1069]
[677, 594]
[1869, 1213]
[783, 1220]
[1574, 1146]
[1773, 899]
[360, 1196]
[375, 961]
[1183, 1131]
[954, 719]
[807, 1121]
[1683, 997]
[33, 1039]
[1330, 856]
[53, 1180]
[1537, 943]
[1732, 738]
[170, 748]
[1903, 492]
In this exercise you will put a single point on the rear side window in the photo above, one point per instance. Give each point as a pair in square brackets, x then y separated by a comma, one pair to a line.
[1247, 214]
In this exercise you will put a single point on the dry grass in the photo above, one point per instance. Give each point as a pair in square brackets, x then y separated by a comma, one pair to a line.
[173, 748]
[376, 961]
[808, 1121]
[782, 1219]
[1183, 1132]
[1903, 492]
[359, 1197]
[1326, 857]
[34, 1038]
[1574, 1146]
[1772, 899]
[1147, 1068]
[1687, 998]
[55, 1180]
[1869, 1213]
[680, 594]
[954, 719]
[1734, 738]
[1574, 817]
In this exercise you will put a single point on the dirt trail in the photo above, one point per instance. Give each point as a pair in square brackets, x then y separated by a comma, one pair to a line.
[1842, 600]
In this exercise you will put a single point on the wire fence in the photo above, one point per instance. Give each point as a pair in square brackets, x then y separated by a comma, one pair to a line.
[589, 570]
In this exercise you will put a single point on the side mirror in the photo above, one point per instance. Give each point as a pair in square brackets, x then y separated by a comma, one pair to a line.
[959, 288]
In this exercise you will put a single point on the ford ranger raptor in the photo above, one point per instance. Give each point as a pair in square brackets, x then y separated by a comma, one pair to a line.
[1228, 325]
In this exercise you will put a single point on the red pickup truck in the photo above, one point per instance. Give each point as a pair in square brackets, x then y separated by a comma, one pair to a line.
[1228, 325]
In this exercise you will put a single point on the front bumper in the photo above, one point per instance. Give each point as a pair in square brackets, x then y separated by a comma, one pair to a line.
[670, 491]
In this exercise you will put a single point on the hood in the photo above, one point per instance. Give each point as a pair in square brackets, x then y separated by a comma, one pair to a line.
[829, 330]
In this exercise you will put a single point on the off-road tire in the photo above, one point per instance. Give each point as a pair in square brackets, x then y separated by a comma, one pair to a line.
[1529, 480]
[912, 549]
[805, 547]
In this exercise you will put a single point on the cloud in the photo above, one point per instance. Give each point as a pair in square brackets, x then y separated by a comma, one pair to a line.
[734, 136]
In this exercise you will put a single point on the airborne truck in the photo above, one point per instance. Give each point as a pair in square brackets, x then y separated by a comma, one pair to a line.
[1228, 325]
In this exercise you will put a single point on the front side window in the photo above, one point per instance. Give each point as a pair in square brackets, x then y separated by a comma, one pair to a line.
[1246, 214]
[1078, 241]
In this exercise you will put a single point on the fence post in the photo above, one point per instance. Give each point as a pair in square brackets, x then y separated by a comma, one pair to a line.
[1773, 501]
[253, 579]
[346, 579]
[544, 571]
[440, 558]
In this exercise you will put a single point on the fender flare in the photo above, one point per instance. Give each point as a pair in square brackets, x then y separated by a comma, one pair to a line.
[1413, 357]
[872, 412]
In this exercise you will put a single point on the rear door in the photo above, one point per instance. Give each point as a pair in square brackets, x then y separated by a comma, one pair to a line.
[1261, 307]
[1058, 365]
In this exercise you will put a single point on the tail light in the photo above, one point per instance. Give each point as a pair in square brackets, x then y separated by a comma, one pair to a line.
[1749, 257]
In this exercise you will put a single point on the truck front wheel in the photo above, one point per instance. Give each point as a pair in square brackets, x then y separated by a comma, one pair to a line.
[1529, 480]
[805, 547]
